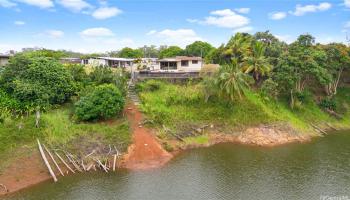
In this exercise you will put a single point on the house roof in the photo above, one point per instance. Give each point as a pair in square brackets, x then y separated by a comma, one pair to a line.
[116, 59]
[180, 58]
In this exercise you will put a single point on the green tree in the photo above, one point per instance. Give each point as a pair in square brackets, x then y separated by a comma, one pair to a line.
[301, 64]
[198, 48]
[256, 62]
[237, 47]
[274, 47]
[171, 51]
[37, 81]
[130, 53]
[101, 75]
[104, 102]
[231, 81]
[338, 59]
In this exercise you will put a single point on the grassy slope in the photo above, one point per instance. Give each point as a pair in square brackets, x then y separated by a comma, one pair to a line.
[176, 106]
[57, 129]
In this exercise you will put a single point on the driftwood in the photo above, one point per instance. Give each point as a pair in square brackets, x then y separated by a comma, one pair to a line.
[89, 167]
[4, 187]
[82, 164]
[319, 129]
[64, 162]
[333, 113]
[73, 163]
[174, 134]
[53, 159]
[114, 161]
[46, 162]
[100, 164]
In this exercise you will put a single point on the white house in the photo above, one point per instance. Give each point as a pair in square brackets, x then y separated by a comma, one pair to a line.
[4, 59]
[109, 61]
[181, 63]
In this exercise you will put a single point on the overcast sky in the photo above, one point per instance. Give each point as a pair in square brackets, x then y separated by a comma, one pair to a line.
[98, 26]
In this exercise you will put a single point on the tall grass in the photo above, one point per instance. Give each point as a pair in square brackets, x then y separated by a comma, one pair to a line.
[176, 105]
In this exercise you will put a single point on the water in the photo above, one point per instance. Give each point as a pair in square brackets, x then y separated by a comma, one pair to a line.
[225, 171]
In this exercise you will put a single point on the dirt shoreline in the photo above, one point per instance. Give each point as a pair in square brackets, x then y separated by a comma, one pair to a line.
[146, 152]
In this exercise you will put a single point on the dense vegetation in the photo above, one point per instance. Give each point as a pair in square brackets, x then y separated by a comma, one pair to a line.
[260, 80]
[42, 98]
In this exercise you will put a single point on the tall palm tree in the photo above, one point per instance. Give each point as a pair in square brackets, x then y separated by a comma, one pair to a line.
[231, 81]
[256, 62]
[238, 46]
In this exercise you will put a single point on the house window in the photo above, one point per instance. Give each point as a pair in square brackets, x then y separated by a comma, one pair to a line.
[184, 63]
[194, 61]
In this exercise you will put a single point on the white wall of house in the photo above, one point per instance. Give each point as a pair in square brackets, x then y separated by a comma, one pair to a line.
[97, 62]
[192, 66]
[3, 61]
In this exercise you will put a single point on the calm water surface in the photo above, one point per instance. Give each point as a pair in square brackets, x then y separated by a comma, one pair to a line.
[225, 171]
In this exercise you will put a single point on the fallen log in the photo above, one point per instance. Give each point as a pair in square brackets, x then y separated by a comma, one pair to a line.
[89, 167]
[319, 129]
[46, 162]
[54, 161]
[4, 187]
[73, 162]
[64, 162]
[114, 161]
[103, 167]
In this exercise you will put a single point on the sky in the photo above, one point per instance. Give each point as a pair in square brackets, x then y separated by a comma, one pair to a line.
[97, 26]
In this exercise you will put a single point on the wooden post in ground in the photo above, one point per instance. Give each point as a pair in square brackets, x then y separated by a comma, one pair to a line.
[46, 162]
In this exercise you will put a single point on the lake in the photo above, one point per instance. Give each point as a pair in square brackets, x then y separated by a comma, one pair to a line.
[226, 171]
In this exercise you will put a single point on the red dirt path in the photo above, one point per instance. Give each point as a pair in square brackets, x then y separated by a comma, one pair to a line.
[145, 152]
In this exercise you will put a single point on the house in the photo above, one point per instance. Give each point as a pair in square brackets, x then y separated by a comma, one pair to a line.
[4, 59]
[147, 63]
[109, 62]
[70, 60]
[181, 63]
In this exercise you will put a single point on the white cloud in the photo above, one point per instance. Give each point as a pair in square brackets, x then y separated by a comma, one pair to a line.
[38, 3]
[226, 19]
[19, 23]
[151, 32]
[97, 32]
[347, 3]
[302, 10]
[277, 15]
[245, 29]
[106, 12]
[243, 10]
[179, 37]
[7, 4]
[75, 5]
[192, 20]
[54, 33]
[347, 24]
[286, 38]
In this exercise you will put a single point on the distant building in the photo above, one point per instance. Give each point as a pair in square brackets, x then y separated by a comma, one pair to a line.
[109, 61]
[181, 63]
[4, 59]
[70, 60]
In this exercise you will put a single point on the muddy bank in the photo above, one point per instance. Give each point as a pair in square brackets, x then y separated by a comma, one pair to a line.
[146, 151]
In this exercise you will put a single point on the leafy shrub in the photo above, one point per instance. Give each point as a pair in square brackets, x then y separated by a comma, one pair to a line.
[270, 88]
[328, 103]
[149, 86]
[102, 75]
[104, 102]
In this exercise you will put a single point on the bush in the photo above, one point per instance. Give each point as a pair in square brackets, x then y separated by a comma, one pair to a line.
[328, 103]
[149, 86]
[270, 88]
[102, 75]
[105, 101]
